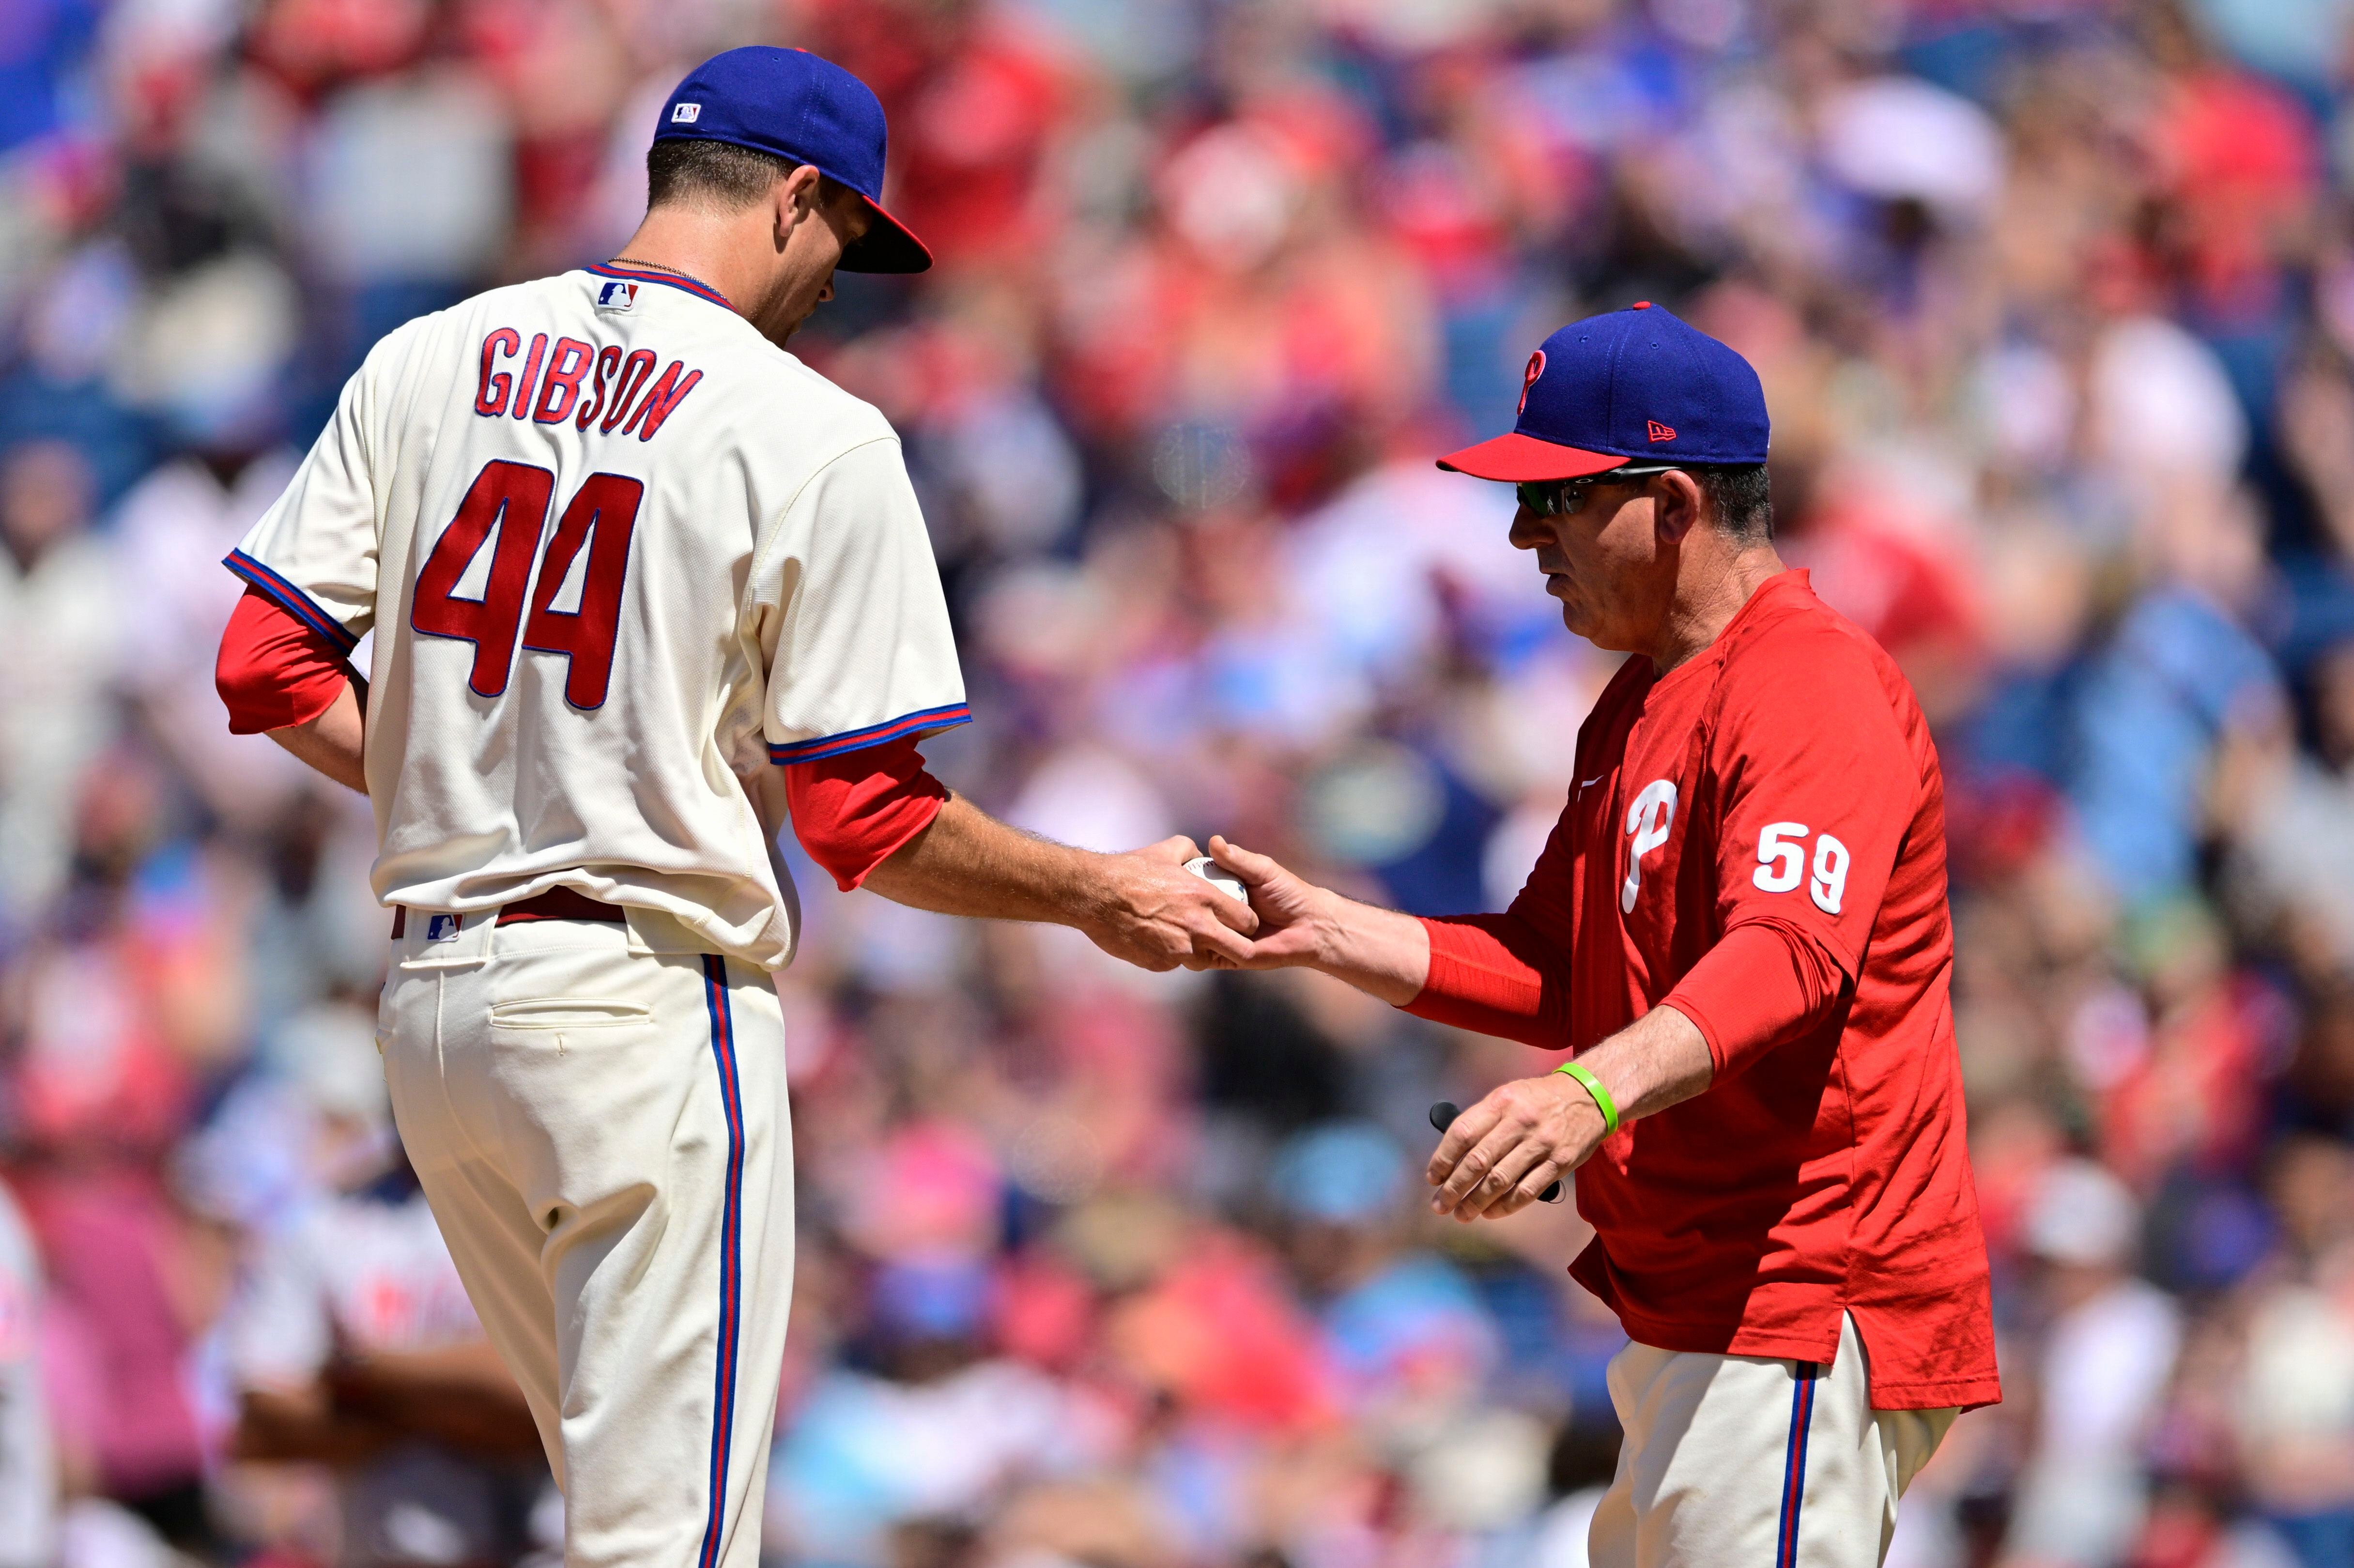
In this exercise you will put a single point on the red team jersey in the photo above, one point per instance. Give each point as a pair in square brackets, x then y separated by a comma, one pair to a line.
[1782, 778]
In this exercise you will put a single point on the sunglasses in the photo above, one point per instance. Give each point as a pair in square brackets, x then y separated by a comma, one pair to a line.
[1565, 497]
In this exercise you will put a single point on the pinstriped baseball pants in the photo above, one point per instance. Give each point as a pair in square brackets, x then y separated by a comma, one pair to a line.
[1750, 1460]
[598, 1115]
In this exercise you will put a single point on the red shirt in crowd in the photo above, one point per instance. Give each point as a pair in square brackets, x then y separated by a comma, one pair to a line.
[1757, 837]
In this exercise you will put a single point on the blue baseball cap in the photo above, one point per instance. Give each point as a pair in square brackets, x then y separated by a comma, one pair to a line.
[796, 106]
[1632, 386]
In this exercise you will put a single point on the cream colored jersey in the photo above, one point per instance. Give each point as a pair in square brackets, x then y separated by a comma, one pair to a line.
[617, 550]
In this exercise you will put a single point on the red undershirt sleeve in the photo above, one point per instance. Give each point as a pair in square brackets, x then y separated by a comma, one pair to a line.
[852, 812]
[1496, 974]
[274, 670]
[1508, 975]
[1764, 983]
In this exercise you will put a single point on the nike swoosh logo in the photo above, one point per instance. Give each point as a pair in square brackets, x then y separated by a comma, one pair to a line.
[1585, 783]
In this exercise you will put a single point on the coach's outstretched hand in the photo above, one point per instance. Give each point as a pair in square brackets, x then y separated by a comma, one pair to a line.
[1300, 925]
[1289, 930]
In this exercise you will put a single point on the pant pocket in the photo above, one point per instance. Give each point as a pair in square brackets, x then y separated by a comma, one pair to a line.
[569, 1012]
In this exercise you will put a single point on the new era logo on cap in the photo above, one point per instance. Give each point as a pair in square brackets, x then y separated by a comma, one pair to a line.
[686, 113]
[1635, 383]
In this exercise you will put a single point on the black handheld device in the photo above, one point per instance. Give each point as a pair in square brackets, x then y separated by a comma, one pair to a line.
[1442, 1117]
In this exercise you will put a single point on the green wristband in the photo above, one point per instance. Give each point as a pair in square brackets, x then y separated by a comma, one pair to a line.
[1608, 1106]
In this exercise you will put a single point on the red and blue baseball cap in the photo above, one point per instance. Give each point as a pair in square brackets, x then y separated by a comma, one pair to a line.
[804, 109]
[1632, 386]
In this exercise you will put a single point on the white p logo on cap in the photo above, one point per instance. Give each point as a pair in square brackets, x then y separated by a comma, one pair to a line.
[686, 113]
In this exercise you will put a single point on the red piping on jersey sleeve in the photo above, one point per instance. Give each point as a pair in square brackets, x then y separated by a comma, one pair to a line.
[1496, 974]
[853, 812]
[1764, 983]
[274, 669]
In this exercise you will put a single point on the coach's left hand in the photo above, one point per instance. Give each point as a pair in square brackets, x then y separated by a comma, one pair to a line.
[1500, 1154]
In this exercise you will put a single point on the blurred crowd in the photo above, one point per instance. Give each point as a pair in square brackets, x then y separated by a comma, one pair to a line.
[2054, 304]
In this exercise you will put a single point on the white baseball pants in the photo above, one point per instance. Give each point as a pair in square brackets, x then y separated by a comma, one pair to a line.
[598, 1114]
[1746, 1460]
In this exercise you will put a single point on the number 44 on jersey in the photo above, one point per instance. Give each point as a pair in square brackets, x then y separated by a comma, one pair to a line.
[514, 498]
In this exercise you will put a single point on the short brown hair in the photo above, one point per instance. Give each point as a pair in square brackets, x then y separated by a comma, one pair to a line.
[720, 175]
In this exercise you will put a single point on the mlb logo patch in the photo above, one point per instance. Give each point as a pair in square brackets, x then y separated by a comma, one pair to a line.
[686, 113]
[617, 294]
[441, 927]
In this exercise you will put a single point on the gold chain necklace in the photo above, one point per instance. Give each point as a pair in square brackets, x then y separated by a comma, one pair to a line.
[658, 267]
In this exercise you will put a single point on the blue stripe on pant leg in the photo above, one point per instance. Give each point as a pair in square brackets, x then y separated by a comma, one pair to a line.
[723, 1396]
[1794, 1462]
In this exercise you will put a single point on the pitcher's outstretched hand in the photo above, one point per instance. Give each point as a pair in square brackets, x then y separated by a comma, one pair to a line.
[1158, 915]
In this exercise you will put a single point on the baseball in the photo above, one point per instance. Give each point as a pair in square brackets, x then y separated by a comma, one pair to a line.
[1217, 876]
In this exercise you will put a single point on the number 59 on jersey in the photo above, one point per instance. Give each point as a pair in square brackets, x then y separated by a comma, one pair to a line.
[1782, 864]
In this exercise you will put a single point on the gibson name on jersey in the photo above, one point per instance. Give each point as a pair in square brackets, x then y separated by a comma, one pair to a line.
[580, 381]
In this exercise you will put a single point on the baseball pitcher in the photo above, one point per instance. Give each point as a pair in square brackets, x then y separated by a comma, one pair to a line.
[643, 587]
